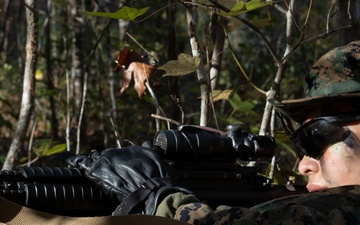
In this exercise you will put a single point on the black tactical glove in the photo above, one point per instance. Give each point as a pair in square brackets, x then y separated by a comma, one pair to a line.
[136, 176]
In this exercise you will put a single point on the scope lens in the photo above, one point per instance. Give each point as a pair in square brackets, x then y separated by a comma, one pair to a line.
[160, 140]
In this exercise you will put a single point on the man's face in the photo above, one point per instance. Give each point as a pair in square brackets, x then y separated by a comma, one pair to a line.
[340, 163]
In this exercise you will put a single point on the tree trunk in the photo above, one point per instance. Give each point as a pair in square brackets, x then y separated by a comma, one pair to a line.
[219, 41]
[203, 79]
[77, 70]
[27, 101]
[50, 80]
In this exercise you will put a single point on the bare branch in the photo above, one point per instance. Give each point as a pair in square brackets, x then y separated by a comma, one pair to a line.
[318, 36]
[142, 47]
[166, 119]
[281, 69]
[329, 16]
[348, 9]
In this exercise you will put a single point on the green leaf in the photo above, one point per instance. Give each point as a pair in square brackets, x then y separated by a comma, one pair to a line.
[242, 7]
[243, 107]
[184, 65]
[255, 4]
[55, 149]
[239, 6]
[125, 13]
[47, 147]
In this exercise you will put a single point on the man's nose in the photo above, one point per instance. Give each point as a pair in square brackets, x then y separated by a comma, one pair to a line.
[308, 166]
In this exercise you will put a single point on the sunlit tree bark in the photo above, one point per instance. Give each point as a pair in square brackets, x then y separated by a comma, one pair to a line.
[27, 101]
[77, 66]
[203, 78]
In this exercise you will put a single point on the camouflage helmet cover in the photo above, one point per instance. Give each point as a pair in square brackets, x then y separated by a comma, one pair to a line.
[334, 77]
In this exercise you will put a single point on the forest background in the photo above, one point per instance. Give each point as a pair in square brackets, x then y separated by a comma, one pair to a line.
[219, 61]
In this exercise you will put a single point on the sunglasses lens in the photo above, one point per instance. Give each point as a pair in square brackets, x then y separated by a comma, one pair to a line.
[314, 137]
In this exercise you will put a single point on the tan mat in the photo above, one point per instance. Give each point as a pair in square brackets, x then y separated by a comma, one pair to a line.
[14, 214]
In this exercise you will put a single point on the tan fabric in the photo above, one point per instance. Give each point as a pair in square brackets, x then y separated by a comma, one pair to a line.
[172, 202]
[14, 214]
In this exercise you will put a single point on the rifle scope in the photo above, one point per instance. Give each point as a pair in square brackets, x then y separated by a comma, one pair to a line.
[197, 141]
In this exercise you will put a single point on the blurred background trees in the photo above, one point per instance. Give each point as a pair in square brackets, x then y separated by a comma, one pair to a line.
[77, 102]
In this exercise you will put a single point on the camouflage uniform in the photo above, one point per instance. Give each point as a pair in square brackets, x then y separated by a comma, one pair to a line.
[336, 206]
[334, 77]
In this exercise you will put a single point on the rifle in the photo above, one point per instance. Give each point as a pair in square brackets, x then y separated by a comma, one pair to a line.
[223, 167]
[219, 167]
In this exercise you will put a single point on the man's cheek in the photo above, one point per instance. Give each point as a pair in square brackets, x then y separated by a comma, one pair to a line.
[339, 149]
[334, 157]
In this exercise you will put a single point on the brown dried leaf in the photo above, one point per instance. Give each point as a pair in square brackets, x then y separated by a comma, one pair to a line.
[221, 94]
[125, 80]
[126, 57]
[141, 73]
[132, 64]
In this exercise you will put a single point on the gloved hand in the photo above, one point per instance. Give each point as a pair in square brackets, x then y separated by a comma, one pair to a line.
[137, 176]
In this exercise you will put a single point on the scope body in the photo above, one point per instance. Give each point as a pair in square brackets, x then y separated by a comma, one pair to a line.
[198, 142]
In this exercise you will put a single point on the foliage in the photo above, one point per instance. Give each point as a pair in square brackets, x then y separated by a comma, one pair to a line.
[45, 147]
[125, 13]
[184, 65]
[244, 7]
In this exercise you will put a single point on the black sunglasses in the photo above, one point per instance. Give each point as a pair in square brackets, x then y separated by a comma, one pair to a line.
[315, 136]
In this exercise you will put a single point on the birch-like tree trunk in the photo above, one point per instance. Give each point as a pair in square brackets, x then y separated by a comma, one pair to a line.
[203, 78]
[218, 38]
[27, 101]
[77, 69]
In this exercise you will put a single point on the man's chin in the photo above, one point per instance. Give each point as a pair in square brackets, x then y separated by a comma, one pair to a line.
[315, 187]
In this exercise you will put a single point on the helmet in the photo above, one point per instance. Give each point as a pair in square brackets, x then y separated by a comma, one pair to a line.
[334, 77]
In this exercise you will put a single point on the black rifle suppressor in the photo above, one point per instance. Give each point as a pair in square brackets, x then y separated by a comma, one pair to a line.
[60, 191]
